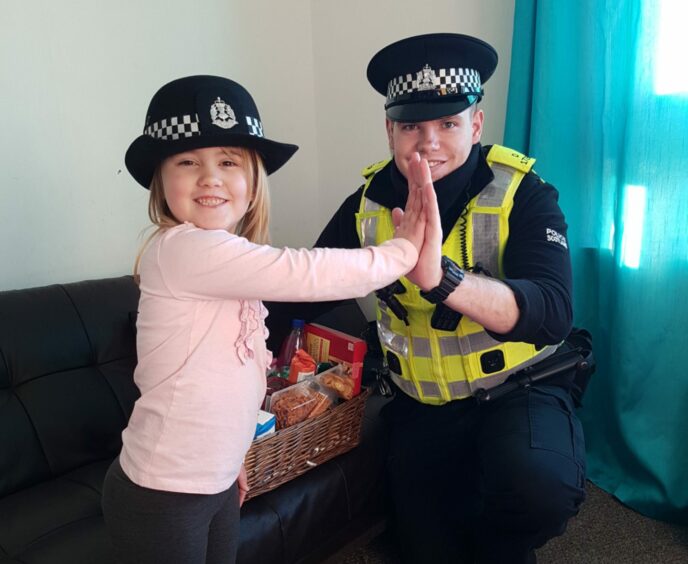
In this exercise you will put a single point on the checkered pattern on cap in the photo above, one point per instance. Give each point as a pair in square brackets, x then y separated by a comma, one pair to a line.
[445, 82]
[254, 126]
[173, 128]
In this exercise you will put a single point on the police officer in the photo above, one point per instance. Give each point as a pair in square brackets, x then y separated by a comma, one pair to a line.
[470, 481]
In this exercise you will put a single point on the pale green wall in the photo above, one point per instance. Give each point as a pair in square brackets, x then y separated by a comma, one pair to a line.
[77, 77]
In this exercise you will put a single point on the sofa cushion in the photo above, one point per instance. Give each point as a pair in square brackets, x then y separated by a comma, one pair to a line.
[83, 542]
[59, 346]
[51, 512]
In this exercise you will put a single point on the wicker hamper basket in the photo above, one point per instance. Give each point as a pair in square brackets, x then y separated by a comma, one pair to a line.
[278, 458]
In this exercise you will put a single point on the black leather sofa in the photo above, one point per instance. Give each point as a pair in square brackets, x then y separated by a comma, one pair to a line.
[67, 353]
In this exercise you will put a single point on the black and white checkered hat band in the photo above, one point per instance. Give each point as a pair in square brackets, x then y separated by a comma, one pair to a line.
[173, 128]
[254, 126]
[442, 82]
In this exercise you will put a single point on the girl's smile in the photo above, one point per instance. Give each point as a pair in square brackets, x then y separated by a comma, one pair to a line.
[210, 202]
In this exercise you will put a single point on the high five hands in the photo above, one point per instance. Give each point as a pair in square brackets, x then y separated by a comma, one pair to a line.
[420, 223]
[487, 301]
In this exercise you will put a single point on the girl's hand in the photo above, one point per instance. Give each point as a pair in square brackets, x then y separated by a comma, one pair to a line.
[410, 223]
[242, 483]
[428, 270]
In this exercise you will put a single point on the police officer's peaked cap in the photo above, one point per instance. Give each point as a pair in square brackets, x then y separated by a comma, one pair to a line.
[431, 76]
[196, 112]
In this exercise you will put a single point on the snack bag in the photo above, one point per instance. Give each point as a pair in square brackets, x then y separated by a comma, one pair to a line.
[339, 379]
[299, 402]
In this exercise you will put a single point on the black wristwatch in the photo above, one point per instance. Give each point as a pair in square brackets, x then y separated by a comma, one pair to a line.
[452, 277]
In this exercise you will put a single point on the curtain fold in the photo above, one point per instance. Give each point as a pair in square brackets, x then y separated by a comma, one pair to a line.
[585, 100]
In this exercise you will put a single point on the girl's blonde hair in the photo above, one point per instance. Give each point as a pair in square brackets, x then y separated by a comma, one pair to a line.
[255, 224]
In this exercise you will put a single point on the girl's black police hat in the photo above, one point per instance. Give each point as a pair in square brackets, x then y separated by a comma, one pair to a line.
[196, 112]
[431, 76]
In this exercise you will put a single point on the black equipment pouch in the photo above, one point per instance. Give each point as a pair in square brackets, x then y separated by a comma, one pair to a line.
[581, 339]
[388, 295]
[445, 318]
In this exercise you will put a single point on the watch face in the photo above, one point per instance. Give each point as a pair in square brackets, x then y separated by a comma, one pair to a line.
[451, 278]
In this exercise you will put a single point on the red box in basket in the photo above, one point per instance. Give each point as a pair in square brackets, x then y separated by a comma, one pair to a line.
[329, 345]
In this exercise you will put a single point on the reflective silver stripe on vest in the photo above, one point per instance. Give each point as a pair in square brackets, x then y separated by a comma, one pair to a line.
[421, 347]
[489, 382]
[398, 343]
[385, 318]
[430, 389]
[476, 342]
[493, 194]
[459, 389]
[486, 225]
[405, 385]
[449, 346]
[391, 340]
[369, 227]
[370, 206]
[541, 355]
[486, 241]
[369, 224]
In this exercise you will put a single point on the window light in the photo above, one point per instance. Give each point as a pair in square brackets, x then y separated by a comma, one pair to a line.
[633, 219]
[671, 69]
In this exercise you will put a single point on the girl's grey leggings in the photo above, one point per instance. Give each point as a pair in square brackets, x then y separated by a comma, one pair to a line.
[153, 527]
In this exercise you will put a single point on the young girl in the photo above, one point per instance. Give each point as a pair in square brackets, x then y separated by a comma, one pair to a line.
[174, 493]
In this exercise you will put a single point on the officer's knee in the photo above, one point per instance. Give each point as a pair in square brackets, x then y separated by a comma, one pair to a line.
[539, 503]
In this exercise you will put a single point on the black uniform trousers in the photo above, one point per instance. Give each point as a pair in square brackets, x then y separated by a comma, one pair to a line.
[484, 483]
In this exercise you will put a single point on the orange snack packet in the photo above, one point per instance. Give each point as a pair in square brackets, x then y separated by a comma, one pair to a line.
[302, 366]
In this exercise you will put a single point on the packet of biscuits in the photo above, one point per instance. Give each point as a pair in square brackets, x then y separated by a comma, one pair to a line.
[299, 402]
[339, 380]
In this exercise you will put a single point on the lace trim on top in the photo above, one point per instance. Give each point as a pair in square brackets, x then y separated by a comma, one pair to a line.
[252, 316]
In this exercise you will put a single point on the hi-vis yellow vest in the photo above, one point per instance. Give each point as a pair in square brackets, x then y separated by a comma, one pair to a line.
[439, 366]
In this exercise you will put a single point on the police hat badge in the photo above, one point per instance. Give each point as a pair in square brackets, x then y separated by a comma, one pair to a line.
[222, 115]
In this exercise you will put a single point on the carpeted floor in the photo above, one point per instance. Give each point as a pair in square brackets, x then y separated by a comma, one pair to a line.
[604, 532]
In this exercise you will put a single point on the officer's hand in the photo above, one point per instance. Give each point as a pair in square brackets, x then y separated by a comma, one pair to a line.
[428, 271]
[410, 224]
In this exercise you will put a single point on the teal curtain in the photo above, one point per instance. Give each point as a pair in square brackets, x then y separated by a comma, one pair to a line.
[598, 94]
